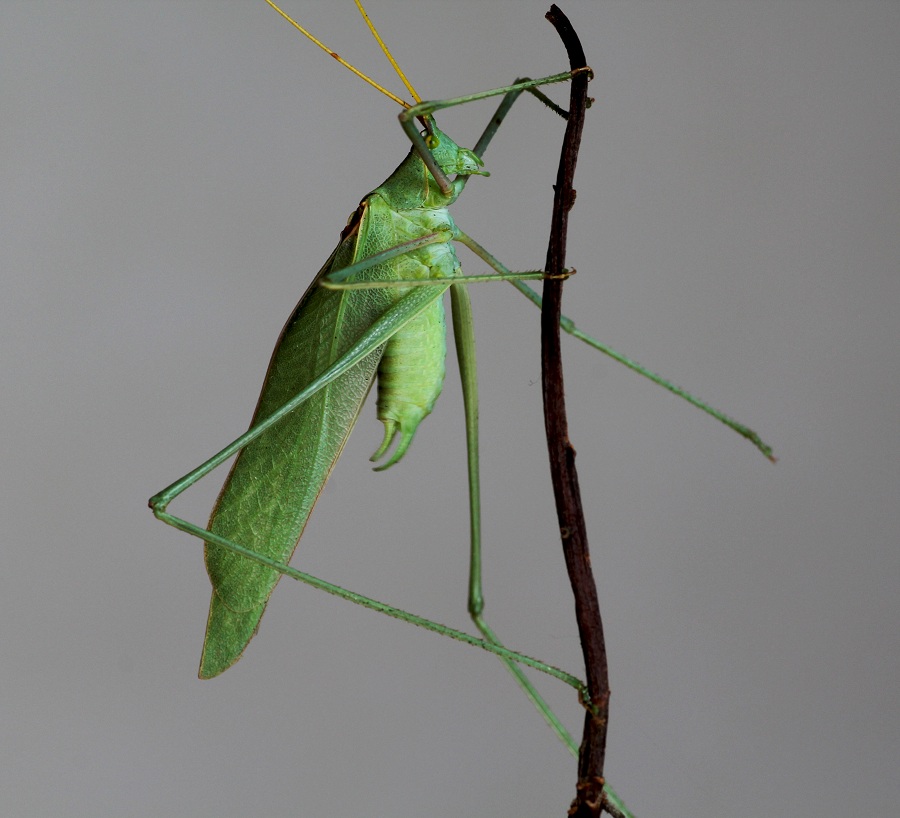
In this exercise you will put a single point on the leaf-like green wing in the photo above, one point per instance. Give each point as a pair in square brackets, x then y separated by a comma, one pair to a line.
[276, 480]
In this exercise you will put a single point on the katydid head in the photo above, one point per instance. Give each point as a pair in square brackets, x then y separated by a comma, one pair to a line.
[450, 157]
[424, 180]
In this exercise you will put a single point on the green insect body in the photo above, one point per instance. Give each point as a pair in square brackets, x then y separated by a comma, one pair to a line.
[367, 314]
[411, 372]
[269, 517]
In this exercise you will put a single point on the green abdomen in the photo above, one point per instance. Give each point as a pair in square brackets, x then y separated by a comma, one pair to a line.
[411, 372]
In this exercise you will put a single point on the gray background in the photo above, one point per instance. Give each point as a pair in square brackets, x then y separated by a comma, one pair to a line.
[173, 176]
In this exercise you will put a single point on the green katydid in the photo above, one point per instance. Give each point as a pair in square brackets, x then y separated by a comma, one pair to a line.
[366, 313]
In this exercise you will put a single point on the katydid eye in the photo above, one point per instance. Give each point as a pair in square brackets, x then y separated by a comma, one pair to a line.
[432, 141]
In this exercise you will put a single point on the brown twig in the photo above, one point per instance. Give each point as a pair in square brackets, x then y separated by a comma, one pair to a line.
[589, 790]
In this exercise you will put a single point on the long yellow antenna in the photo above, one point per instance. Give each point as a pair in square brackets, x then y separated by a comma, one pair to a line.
[387, 52]
[347, 65]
